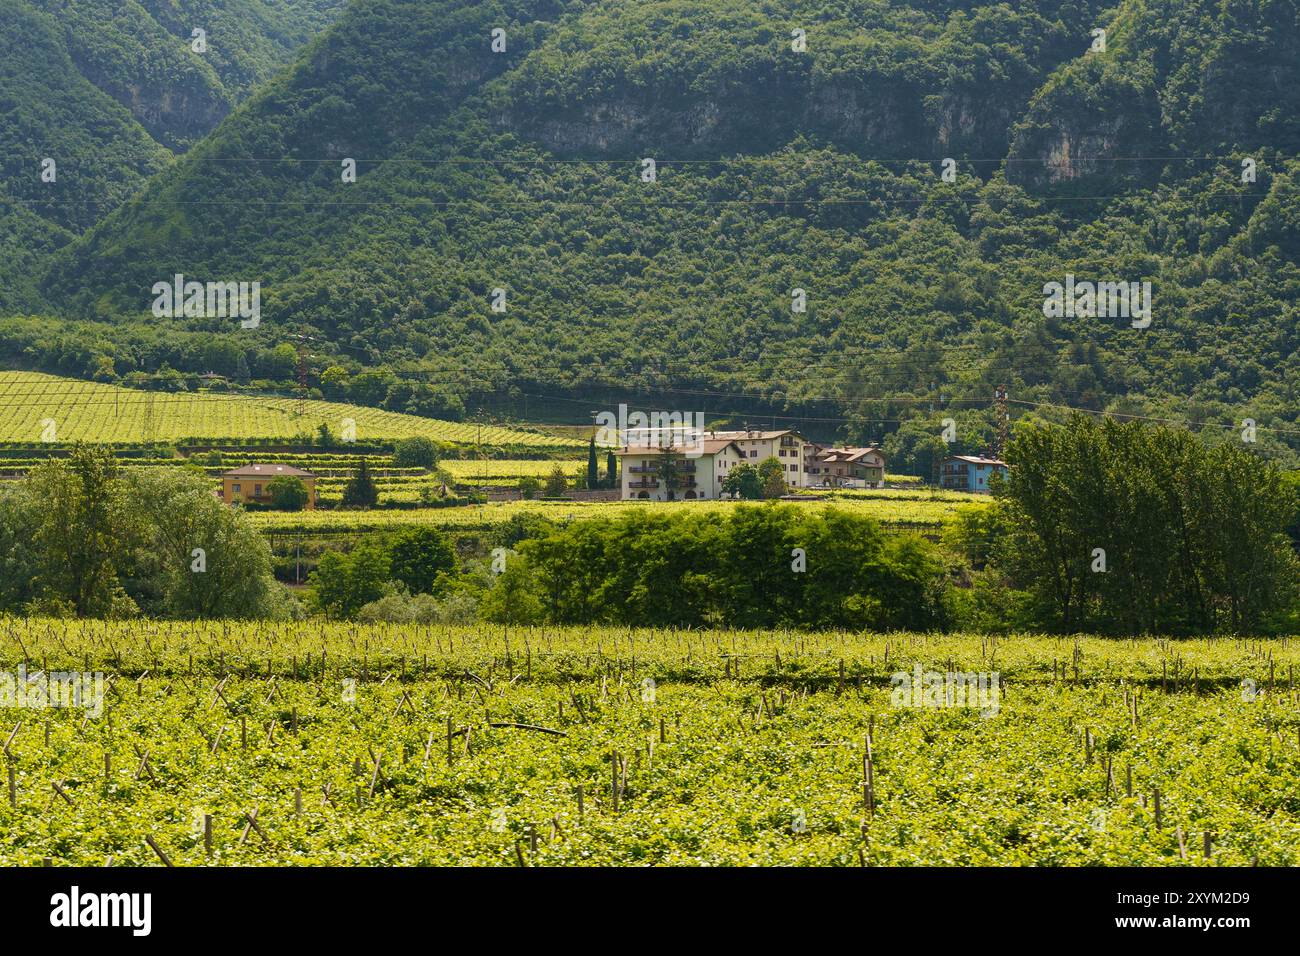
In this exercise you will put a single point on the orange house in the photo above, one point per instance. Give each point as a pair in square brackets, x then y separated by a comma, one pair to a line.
[250, 483]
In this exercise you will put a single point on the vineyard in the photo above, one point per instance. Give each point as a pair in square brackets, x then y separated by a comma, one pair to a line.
[906, 509]
[263, 744]
[505, 471]
[398, 486]
[38, 408]
[406, 486]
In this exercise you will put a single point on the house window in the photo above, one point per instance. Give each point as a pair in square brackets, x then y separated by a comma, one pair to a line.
[257, 491]
[235, 488]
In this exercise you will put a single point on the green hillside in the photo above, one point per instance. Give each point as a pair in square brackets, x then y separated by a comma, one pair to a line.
[140, 53]
[38, 408]
[109, 90]
[102, 154]
[777, 170]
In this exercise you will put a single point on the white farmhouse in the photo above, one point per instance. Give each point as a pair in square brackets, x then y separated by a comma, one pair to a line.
[699, 475]
[785, 445]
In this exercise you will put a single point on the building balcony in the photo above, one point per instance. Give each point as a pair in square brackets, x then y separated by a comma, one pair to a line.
[679, 466]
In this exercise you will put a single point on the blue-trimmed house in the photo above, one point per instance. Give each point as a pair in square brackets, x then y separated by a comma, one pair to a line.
[969, 472]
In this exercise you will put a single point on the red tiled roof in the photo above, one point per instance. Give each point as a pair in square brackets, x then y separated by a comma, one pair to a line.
[266, 471]
[832, 455]
[710, 446]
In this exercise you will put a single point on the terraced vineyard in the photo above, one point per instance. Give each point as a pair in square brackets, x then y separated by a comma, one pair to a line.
[35, 407]
[327, 744]
[507, 471]
[393, 489]
[411, 485]
[905, 509]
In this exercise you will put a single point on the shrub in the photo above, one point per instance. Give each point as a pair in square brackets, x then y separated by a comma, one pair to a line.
[556, 483]
[288, 493]
[416, 452]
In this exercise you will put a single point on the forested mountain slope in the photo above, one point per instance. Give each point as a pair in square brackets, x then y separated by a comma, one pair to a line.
[776, 169]
[143, 53]
[108, 89]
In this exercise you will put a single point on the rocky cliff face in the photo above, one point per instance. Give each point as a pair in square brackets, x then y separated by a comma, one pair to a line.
[1197, 80]
[882, 120]
[178, 116]
[1090, 122]
[1066, 150]
[141, 54]
[175, 112]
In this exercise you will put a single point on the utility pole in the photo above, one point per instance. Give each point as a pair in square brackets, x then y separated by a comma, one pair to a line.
[148, 419]
[302, 379]
[1003, 420]
[302, 338]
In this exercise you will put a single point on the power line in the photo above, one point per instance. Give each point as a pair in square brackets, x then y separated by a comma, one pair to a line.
[881, 358]
[819, 153]
[149, 399]
[883, 361]
[1149, 418]
[482, 205]
[882, 368]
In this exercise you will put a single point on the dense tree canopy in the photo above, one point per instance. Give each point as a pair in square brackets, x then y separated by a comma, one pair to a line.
[81, 536]
[760, 566]
[108, 90]
[1129, 529]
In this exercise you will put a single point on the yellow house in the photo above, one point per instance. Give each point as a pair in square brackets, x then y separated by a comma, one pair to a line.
[250, 482]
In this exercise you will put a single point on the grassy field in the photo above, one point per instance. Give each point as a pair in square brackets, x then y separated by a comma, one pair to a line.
[397, 745]
[911, 509]
[900, 495]
[78, 410]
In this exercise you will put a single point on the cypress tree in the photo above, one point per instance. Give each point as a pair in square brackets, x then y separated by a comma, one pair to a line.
[360, 491]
